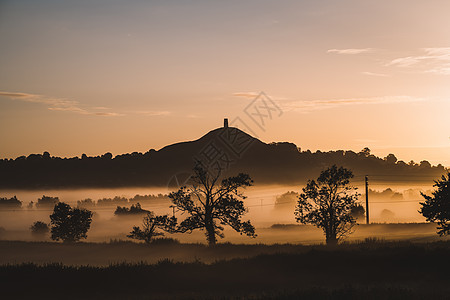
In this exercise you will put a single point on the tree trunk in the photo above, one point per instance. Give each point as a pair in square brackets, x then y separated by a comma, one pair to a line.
[210, 234]
[209, 224]
[331, 240]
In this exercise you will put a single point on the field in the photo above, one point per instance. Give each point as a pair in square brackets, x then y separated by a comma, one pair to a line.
[278, 237]
[285, 261]
[369, 269]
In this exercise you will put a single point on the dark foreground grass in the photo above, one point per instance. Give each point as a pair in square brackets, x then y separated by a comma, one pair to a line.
[368, 270]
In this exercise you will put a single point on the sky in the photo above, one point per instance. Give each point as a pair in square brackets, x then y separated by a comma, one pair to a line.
[122, 76]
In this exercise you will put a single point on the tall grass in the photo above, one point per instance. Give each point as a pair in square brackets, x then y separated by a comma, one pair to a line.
[371, 269]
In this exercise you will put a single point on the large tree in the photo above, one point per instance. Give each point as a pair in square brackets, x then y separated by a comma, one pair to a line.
[212, 203]
[436, 207]
[69, 224]
[327, 203]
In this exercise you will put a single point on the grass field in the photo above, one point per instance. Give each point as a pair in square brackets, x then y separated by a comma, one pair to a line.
[372, 269]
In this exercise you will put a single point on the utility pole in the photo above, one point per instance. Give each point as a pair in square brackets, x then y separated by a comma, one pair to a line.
[367, 200]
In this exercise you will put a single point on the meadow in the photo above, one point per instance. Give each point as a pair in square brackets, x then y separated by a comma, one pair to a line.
[403, 260]
[369, 269]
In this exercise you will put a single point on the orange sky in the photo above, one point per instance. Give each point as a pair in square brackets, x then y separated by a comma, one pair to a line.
[94, 77]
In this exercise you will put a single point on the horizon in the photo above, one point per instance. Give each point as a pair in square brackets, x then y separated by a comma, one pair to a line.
[180, 142]
[86, 77]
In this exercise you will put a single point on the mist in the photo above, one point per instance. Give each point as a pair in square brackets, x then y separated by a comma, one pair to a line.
[269, 207]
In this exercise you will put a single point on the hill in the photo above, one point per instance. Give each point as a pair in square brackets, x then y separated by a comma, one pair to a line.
[227, 147]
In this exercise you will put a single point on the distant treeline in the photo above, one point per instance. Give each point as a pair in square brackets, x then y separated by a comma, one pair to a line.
[14, 203]
[266, 163]
[43, 170]
[48, 202]
[10, 203]
[89, 203]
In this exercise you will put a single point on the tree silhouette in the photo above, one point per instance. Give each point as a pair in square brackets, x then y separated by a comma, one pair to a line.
[358, 212]
[289, 198]
[436, 208]
[150, 224]
[86, 203]
[391, 159]
[365, 152]
[69, 224]
[47, 202]
[11, 203]
[212, 204]
[327, 203]
[135, 209]
[39, 229]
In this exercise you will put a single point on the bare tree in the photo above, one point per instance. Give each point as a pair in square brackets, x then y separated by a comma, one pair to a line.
[212, 203]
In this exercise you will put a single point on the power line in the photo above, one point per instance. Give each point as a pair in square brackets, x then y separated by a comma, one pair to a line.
[395, 202]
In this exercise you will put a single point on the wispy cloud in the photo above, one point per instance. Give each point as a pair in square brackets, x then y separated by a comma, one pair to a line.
[16, 95]
[426, 60]
[442, 70]
[374, 74]
[439, 51]
[429, 60]
[65, 105]
[59, 104]
[107, 114]
[351, 51]
[153, 112]
[406, 61]
[247, 95]
[306, 106]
